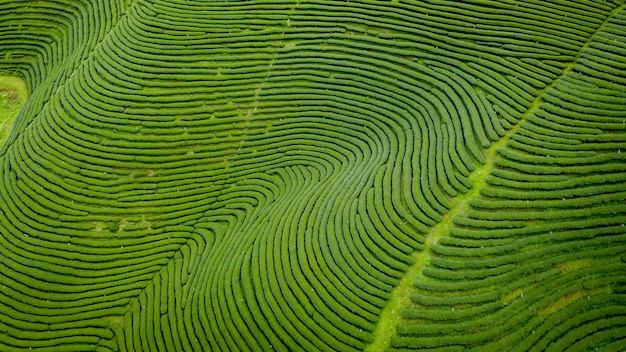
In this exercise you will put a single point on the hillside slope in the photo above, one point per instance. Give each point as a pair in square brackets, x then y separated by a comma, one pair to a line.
[314, 175]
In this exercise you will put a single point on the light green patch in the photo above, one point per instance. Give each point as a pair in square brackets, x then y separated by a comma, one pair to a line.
[13, 94]
[117, 321]
[99, 226]
[575, 265]
[566, 300]
[515, 294]
[290, 44]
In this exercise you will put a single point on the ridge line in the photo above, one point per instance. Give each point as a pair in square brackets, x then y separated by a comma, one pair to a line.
[257, 91]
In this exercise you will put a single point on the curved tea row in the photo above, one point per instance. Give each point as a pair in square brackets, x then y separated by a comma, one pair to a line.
[537, 262]
[255, 175]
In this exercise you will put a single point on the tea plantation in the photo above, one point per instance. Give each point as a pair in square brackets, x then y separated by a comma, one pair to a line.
[314, 175]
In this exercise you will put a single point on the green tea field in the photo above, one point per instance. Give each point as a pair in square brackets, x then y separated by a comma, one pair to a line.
[312, 175]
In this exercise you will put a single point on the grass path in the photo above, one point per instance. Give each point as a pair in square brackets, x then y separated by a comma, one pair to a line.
[13, 94]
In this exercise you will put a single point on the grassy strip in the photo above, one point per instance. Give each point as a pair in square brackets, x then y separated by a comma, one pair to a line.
[13, 94]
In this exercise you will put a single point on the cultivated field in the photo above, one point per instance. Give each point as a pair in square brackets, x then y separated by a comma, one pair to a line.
[317, 175]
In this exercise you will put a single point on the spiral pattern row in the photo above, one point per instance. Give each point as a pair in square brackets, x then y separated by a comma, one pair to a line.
[257, 175]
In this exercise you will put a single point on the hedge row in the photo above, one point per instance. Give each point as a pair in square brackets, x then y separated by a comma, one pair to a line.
[258, 175]
[535, 262]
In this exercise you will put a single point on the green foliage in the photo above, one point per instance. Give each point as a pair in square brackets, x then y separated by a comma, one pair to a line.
[13, 94]
[332, 176]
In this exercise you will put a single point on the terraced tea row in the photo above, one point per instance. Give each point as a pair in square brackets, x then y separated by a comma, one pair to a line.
[257, 175]
[537, 262]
